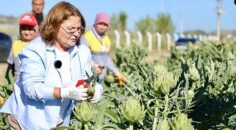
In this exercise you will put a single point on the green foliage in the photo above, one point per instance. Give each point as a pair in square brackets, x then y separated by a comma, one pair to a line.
[197, 84]
[146, 25]
[215, 97]
[3, 121]
[115, 22]
[123, 19]
[119, 21]
[142, 76]
[5, 91]
[164, 24]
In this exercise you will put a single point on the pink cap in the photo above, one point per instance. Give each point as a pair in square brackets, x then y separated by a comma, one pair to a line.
[28, 19]
[102, 18]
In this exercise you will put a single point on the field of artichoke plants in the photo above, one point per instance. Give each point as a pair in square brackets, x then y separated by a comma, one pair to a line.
[193, 89]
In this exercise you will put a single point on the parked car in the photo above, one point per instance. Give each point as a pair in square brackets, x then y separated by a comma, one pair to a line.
[182, 43]
[5, 46]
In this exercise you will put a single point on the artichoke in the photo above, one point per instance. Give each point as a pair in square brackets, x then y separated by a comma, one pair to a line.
[132, 110]
[181, 122]
[194, 75]
[190, 93]
[160, 69]
[164, 83]
[109, 79]
[163, 125]
[84, 111]
[90, 91]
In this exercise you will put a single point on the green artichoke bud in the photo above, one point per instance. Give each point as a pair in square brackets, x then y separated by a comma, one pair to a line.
[165, 89]
[163, 125]
[132, 110]
[159, 86]
[194, 75]
[170, 79]
[90, 91]
[181, 122]
[84, 111]
[164, 83]
[109, 79]
[190, 93]
[160, 69]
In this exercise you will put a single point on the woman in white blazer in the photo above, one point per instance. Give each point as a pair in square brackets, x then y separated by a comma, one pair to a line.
[45, 92]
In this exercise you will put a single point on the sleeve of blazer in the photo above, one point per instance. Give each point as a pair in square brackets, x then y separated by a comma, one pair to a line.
[87, 62]
[32, 73]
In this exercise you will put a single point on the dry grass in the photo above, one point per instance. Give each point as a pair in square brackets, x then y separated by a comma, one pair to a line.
[10, 29]
[3, 67]
[158, 56]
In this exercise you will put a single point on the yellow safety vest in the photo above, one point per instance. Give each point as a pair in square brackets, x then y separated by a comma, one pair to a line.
[96, 45]
[18, 46]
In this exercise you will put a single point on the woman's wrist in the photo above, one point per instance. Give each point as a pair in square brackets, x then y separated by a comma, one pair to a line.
[57, 93]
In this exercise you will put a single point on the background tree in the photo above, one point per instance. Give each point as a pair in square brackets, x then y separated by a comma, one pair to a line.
[119, 21]
[123, 18]
[146, 24]
[164, 24]
[115, 22]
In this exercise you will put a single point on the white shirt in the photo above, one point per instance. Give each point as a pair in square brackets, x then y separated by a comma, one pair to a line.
[64, 70]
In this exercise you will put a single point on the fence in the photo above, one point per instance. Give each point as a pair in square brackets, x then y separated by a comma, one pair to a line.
[153, 40]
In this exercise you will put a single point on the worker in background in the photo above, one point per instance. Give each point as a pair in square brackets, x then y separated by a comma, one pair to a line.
[28, 27]
[37, 10]
[100, 45]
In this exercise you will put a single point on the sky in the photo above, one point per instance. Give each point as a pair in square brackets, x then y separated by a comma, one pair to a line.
[186, 15]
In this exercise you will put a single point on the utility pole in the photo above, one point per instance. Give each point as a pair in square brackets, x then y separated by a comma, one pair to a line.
[181, 25]
[219, 11]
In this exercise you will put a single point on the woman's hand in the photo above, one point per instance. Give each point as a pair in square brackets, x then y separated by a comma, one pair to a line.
[74, 91]
[120, 77]
[97, 94]
[98, 68]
